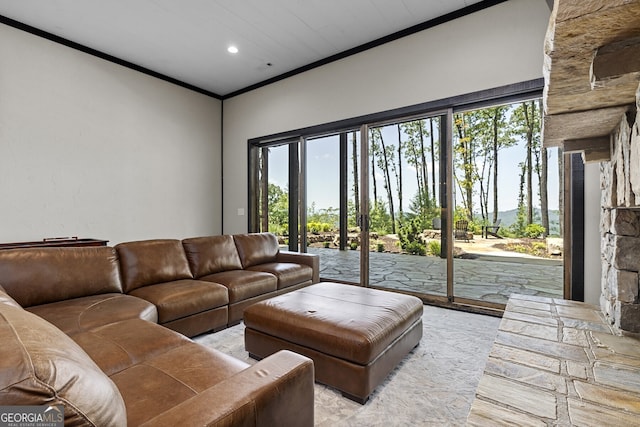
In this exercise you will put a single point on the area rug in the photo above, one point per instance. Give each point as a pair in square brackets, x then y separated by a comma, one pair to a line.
[433, 386]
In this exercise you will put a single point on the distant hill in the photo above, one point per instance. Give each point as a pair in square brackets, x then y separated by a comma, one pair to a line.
[511, 216]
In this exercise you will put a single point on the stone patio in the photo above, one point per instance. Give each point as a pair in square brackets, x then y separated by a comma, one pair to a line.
[557, 362]
[489, 278]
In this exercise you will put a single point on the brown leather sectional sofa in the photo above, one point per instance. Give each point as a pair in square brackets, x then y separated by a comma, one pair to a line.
[80, 327]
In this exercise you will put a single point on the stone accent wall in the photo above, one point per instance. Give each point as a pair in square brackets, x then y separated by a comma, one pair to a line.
[620, 226]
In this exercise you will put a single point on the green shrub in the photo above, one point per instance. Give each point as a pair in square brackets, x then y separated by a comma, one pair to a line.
[326, 244]
[416, 248]
[534, 231]
[522, 249]
[435, 248]
[539, 246]
[380, 247]
[353, 246]
[318, 227]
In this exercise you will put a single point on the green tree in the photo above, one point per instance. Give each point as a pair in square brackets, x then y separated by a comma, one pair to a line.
[379, 218]
[416, 153]
[526, 123]
[356, 178]
[385, 155]
[499, 137]
[466, 151]
[423, 208]
[278, 209]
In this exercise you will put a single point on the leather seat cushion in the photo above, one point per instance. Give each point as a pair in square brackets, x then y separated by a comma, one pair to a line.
[79, 314]
[243, 284]
[348, 322]
[288, 274]
[121, 345]
[40, 365]
[182, 298]
[159, 383]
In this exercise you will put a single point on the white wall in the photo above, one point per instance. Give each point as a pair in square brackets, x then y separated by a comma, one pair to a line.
[92, 149]
[495, 47]
[592, 247]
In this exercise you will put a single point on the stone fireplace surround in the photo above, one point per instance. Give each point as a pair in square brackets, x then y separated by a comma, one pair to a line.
[620, 225]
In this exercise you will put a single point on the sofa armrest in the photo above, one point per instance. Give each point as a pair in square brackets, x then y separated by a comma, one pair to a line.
[278, 390]
[312, 260]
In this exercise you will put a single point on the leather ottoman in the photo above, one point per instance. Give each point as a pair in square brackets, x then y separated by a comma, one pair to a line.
[356, 336]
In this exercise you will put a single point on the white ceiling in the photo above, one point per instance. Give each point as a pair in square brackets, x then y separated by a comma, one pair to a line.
[188, 40]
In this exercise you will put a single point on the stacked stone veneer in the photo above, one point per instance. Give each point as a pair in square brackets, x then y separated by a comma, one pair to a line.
[620, 225]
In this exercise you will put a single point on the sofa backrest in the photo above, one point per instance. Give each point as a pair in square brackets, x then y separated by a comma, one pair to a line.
[6, 299]
[34, 276]
[40, 365]
[212, 254]
[256, 248]
[147, 262]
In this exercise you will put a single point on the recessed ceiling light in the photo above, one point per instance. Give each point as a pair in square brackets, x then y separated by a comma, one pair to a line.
[232, 49]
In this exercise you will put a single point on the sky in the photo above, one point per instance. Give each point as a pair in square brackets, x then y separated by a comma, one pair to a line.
[323, 173]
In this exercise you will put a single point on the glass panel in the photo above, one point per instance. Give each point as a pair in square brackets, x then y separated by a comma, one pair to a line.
[339, 249]
[507, 236]
[406, 250]
[274, 200]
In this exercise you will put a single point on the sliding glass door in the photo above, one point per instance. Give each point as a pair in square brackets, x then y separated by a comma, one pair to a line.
[332, 202]
[454, 206]
[508, 210]
[406, 168]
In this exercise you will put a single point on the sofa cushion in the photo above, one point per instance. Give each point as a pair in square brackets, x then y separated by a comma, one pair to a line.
[148, 262]
[35, 276]
[256, 248]
[6, 299]
[288, 274]
[212, 254]
[80, 314]
[120, 345]
[40, 365]
[155, 368]
[168, 383]
[244, 284]
[182, 298]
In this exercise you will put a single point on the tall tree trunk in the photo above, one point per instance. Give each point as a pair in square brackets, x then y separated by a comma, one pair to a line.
[433, 163]
[467, 188]
[425, 176]
[468, 176]
[374, 183]
[387, 181]
[561, 192]
[399, 176]
[418, 177]
[544, 182]
[544, 191]
[529, 164]
[483, 200]
[356, 177]
[521, 222]
[495, 166]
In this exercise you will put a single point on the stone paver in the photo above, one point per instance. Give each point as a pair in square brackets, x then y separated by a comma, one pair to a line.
[489, 279]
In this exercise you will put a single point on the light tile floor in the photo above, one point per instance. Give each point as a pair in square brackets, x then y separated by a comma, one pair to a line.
[433, 386]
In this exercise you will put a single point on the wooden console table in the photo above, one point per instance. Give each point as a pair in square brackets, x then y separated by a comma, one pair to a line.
[55, 242]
